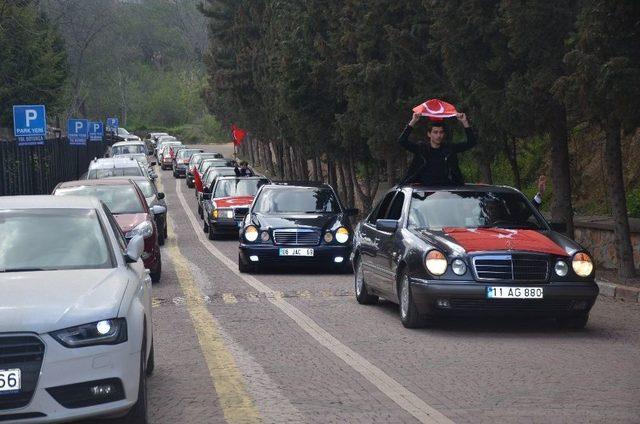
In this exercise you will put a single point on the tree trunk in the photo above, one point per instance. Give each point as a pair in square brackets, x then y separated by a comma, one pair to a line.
[279, 163]
[318, 168]
[331, 173]
[341, 186]
[617, 199]
[561, 207]
[304, 165]
[392, 169]
[268, 158]
[346, 171]
[511, 152]
[485, 170]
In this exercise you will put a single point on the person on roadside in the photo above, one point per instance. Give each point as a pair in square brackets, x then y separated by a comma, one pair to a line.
[243, 170]
[435, 162]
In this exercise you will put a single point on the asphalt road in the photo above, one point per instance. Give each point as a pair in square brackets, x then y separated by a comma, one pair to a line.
[296, 347]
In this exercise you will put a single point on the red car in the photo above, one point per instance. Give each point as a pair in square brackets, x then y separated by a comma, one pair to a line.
[129, 207]
[228, 203]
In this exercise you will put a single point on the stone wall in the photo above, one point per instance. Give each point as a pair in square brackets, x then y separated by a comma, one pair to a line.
[596, 234]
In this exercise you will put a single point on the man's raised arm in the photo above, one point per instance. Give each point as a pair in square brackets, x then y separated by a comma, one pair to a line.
[403, 140]
[471, 137]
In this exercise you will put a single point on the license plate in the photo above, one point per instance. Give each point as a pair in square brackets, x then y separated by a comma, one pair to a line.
[10, 380]
[296, 252]
[495, 292]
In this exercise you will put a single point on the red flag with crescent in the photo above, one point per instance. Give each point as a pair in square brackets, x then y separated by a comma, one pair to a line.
[436, 109]
[197, 181]
[238, 134]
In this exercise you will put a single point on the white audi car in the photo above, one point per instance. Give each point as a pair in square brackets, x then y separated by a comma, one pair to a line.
[76, 335]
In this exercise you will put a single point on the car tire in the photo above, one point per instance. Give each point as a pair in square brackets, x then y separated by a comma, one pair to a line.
[576, 322]
[362, 293]
[212, 234]
[161, 237]
[244, 267]
[189, 184]
[174, 174]
[138, 414]
[408, 312]
[151, 362]
[200, 211]
[205, 226]
[155, 275]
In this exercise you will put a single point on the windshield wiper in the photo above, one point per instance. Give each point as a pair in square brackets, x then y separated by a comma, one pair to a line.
[22, 269]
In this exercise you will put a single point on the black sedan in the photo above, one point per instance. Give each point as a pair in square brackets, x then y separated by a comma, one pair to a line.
[296, 224]
[467, 251]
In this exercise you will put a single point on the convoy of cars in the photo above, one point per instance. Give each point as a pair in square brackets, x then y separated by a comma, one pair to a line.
[436, 252]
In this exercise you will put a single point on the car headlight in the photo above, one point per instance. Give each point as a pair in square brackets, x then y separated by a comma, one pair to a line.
[144, 229]
[459, 267]
[265, 236]
[561, 268]
[109, 331]
[251, 233]
[328, 237]
[436, 262]
[342, 235]
[582, 264]
[225, 213]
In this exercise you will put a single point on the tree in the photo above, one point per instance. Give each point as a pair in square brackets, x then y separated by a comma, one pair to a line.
[603, 89]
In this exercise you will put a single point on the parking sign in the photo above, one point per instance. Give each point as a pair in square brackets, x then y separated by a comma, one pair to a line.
[78, 131]
[112, 124]
[29, 124]
[96, 131]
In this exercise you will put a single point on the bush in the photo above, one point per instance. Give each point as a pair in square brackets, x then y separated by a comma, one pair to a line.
[633, 202]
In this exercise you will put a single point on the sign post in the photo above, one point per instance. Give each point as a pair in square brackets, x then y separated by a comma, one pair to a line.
[96, 131]
[78, 131]
[29, 124]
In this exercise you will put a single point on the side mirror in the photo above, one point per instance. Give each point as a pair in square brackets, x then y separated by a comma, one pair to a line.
[351, 211]
[387, 225]
[158, 209]
[134, 249]
[160, 196]
[559, 227]
[153, 163]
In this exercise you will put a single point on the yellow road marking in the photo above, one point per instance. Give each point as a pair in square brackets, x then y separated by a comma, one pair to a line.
[229, 298]
[233, 397]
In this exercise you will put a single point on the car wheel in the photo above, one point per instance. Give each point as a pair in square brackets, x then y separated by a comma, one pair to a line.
[189, 183]
[174, 174]
[244, 267]
[138, 414]
[205, 226]
[151, 362]
[576, 322]
[155, 275]
[212, 234]
[161, 237]
[408, 313]
[362, 293]
[200, 211]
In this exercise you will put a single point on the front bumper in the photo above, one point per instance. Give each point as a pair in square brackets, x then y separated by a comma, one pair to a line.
[269, 255]
[470, 298]
[225, 225]
[63, 366]
[180, 170]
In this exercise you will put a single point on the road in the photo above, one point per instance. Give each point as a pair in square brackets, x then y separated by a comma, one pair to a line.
[296, 347]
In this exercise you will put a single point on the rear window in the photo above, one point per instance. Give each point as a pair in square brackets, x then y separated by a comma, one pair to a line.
[127, 149]
[96, 174]
[296, 200]
[118, 198]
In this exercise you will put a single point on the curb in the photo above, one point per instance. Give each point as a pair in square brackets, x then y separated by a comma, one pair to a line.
[618, 291]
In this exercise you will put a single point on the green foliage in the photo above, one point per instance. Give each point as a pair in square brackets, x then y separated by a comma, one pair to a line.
[633, 202]
[33, 62]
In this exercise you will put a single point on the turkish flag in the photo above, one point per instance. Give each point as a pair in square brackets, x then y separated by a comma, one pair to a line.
[171, 154]
[436, 109]
[197, 181]
[238, 134]
[487, 239]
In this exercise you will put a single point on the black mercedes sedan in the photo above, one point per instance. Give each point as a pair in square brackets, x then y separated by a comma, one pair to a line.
[470, 250]
[291, 224]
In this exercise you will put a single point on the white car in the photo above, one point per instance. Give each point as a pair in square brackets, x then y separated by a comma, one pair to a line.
[128, 147]
[161, 140]
[76, 331]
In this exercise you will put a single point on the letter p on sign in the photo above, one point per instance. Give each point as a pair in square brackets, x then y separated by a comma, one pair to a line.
[30, 115]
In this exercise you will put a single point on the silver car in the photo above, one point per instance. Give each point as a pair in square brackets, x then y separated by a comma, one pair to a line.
[76, 334]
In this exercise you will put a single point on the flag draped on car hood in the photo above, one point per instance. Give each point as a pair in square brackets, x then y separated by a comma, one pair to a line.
[487, 239]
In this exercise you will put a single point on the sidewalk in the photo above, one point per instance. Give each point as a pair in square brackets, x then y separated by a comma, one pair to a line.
[610, 287]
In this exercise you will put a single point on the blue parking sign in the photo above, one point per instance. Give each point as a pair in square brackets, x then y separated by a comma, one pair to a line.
[96, 131]
[78, 131]
[112, 124]
[29, 124]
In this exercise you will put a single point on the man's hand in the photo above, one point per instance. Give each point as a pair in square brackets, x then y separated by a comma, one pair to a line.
[414, 119]
[462, 117]
[542, 184]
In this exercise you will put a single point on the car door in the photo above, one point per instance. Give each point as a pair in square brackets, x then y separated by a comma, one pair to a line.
[389, 245]
[369, 244]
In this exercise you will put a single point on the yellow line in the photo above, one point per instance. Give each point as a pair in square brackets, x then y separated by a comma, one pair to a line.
[233, 397]
[229, 298]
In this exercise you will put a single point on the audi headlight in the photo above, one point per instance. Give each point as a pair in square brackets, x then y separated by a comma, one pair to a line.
[436, 262]
[251, 233]
[342, 235]
[582, 264]
[145, 230]
[110, 331]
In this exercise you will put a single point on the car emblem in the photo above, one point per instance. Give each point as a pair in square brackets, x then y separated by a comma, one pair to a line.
[509, 244]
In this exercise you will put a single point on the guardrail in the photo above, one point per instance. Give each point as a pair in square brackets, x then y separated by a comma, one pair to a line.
[37, 169]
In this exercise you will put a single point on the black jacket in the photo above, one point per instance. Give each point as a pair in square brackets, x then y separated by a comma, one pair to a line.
[423, 151]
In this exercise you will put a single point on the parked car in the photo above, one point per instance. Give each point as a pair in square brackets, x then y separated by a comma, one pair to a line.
[127, 147]
[296, 224]
[76, 329]
[154, 136]
[181, 161]
[115, 167]
[470, 250]
[194, 161]
[142, 159]
[129, 207]
[227, 204]
[123, 135]
[161, 140]
[208, 181]
[204, 166]
[167, 154]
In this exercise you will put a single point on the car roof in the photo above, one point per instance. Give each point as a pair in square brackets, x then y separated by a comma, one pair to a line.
[128, 143]
[231, 177]
[96, 182]
[481, 188]
[116, 162]
[304, 184]
[49, 202]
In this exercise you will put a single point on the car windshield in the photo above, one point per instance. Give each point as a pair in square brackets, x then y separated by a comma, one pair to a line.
[296, 200]
[214, 173]
[127, 149]
[118, 198]
[95, 174]
[48, 239]
[146, 187]
[213, 163]
[122, 131]
[167, 146]
[471, 209]
[185, 154]
[237, 187]
[140, 157]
